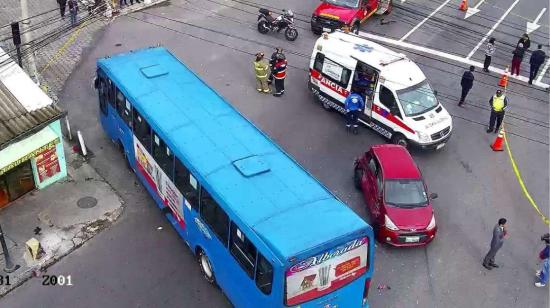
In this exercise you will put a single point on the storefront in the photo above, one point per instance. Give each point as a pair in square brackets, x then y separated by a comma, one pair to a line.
[31, 141]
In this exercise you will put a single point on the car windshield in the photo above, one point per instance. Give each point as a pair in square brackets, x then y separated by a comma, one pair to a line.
[346, 3]
[405, 193]
[417, 99]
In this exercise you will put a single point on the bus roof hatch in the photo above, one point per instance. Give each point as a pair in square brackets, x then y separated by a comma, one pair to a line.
[153, 71]
[251, 166]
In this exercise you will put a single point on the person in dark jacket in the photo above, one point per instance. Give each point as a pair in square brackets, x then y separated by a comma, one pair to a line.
[537, 59]
[525, 41]
[279, 74]
[120, 3]
[272, 61]
[73, 10]
[62, 6]
[466, 82]
[499, 233]
[519, 52]
[354, 104]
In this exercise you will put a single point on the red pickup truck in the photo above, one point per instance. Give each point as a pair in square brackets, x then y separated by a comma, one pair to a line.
[334, 14]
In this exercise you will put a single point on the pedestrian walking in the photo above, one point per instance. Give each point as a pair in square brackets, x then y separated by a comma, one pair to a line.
[519, 52]
[279, 74]
[261, 69]
[120, 2]
[466, 82]
[62, 6]
[545, 252]
[354, 105]
[73, 10]
[525, 41]
[498, 104]
[499, 233]
[537, 59]
[272, 61]
[489, 52]
[542, 274]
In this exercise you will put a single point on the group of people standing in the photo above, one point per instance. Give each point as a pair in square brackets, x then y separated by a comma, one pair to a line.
[272, 71]
[73, 9]
[537, 57]
[500, 234]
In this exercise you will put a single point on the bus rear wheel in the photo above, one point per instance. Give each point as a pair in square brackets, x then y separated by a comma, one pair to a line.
[206, 267]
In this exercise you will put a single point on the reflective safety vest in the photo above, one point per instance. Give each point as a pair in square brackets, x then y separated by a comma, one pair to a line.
[498, 103]
[279, 70]
[261, 68]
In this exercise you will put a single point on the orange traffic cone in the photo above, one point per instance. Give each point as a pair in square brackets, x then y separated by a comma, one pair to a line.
[503, 82]
[499, 141]
[463, 6]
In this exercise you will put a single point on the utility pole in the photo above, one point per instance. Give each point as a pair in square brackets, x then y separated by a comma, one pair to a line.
[10, 267]
[16, 37]
[27, 37]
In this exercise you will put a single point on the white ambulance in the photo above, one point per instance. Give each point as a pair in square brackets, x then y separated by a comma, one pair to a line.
[399, 102]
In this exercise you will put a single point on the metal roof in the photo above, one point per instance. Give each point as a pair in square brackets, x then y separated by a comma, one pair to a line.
[261, 186]
[16, 122]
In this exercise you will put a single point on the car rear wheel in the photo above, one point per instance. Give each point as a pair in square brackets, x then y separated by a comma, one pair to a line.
[357, 177]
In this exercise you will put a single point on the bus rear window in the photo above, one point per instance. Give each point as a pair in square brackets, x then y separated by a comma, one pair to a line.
[326, 272]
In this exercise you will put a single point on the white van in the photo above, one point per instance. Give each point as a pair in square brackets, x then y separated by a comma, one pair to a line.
[399, 102]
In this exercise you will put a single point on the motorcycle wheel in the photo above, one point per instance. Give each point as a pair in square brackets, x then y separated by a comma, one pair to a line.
[291, 34]
[263, 27]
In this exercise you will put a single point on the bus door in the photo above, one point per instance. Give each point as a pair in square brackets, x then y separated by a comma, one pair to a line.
[103, 86]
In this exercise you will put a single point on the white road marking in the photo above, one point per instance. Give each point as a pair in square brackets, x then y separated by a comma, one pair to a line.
[473, 10]
[544, 69]
[423, 21]
[533, 26]
[492, 29]
[449, 56]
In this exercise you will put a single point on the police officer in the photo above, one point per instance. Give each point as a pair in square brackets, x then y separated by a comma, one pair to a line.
[279, 74]
[354, 104]
[261, 68]
[272, 61]
[498, 103]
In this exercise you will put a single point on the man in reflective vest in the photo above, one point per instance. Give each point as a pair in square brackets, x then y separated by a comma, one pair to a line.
[354, 104]
[498, 105]
[272, 61]
[261, 68]
[279, 74]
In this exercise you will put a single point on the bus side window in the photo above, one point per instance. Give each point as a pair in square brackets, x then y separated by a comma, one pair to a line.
[214, 216]
[264, 275]
[124, 108]
[112, 93]
[142, 130]
[318, 64]
[243, 250]
[163, 156]
[187, 184]
[388, 99]
[102, 93]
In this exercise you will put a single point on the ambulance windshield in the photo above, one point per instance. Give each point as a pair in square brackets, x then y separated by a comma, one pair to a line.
[417, 99]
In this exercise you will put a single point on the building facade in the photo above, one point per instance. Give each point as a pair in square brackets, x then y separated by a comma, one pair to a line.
[31, 141]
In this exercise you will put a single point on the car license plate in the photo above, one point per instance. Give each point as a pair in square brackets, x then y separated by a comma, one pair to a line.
[327, 30]
[439, 146]
[412, 239]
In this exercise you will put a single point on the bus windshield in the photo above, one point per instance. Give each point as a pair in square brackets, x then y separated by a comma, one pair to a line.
[326, 272]
[417, 99]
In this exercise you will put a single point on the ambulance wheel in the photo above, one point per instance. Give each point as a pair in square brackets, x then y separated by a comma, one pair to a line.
[399, 140]
[326, 106]
[357, 177]
[206, 267]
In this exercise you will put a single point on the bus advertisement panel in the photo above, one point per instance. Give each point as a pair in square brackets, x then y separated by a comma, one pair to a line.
[326, 272]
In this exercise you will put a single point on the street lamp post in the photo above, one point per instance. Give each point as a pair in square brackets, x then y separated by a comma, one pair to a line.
[10, 267]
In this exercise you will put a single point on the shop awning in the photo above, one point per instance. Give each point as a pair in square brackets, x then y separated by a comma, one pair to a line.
[21, 151]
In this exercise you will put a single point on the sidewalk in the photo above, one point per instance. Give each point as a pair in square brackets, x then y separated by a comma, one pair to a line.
[66, 214]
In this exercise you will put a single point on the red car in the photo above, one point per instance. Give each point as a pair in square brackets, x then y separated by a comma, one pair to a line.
[334, 14]
[396, 196]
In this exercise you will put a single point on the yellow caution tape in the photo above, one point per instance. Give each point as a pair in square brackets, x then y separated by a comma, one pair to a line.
[520, 180]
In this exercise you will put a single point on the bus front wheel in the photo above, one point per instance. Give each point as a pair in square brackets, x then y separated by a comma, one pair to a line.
[206, 267]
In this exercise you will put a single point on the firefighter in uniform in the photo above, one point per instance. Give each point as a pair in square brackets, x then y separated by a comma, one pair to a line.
[272, 61]
[261, 68]
[498, 103]
[279, 74]
[354, 104]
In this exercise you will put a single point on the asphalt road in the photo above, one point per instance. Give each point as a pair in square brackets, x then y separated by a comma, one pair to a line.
[133, 264]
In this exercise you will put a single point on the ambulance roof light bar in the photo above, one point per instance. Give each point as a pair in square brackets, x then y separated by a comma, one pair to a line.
[397, 59]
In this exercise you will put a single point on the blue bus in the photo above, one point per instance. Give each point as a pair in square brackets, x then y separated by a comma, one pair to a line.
[262, 228]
